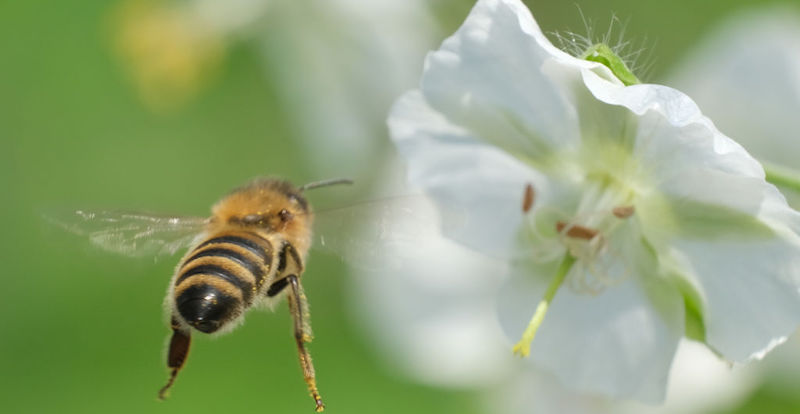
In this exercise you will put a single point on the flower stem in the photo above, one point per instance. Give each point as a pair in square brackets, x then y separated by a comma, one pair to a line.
[782, 176]
[523, 347]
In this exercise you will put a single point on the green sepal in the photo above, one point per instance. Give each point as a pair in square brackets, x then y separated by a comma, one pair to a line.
[603, 54]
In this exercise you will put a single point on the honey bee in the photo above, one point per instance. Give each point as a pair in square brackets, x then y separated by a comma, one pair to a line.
[251, 252]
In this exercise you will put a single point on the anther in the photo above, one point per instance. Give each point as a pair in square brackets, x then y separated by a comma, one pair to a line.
[623, 212]
[576, 231]
[528, 198]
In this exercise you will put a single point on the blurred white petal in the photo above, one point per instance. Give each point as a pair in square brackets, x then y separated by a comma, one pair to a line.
[700, 382]
[339, 72]
[746, 77]
[433, 310]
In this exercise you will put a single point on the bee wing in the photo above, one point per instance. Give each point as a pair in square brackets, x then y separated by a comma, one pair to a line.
[364, 234]
[130, 233]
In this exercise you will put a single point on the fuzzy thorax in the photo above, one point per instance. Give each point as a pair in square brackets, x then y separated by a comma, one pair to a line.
[267, 206]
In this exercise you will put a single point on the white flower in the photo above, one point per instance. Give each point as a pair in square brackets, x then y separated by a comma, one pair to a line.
[673, 228]
[432, 313]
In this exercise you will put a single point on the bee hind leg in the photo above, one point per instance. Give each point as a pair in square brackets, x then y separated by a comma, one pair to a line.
[298, 307]
[176, 355]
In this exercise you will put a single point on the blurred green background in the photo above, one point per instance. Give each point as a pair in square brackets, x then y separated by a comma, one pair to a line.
[83, 331]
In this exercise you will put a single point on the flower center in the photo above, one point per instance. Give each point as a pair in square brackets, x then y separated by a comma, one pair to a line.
[586, 244]
[590, 216]
[603, 218]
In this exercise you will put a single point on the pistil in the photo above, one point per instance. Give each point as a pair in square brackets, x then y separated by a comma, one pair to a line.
[523, 347]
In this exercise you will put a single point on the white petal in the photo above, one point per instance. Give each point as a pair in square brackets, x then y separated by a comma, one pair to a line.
[748, 280]
[478, 187]
[489, 77]
[434, 313]
[619, 342]
[537, 392]
[672, 132]
[750, 289]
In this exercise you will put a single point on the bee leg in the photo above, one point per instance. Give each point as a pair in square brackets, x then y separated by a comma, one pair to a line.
[176, 356]
[298, 307]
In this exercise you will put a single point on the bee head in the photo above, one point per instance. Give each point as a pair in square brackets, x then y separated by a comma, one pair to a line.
[270, 206]
[268, 203]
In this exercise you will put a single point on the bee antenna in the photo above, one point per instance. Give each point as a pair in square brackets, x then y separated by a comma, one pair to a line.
[325, 183]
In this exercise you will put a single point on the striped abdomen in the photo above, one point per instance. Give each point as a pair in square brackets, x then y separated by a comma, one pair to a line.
[221, 277]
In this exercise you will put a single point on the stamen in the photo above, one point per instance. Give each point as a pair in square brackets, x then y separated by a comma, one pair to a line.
[623, 212]
[523, 347]
[528, 198]
[576, 231]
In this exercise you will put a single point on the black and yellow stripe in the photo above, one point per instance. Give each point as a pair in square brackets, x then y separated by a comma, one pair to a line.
[220, 278]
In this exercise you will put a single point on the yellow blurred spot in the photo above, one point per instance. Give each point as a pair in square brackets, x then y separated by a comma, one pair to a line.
[168, 51]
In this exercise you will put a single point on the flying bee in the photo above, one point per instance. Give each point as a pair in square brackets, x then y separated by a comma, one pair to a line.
[251, 252]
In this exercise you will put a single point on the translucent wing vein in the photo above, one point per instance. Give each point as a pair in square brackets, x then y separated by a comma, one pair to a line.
[130, 233]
